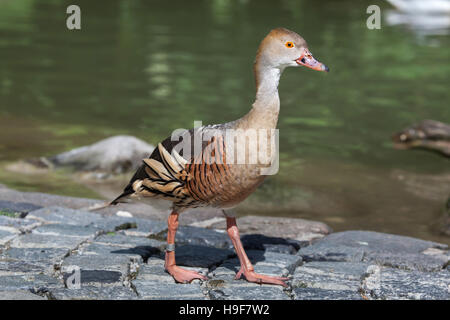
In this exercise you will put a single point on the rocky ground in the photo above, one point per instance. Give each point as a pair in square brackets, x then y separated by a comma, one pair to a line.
[57, 252]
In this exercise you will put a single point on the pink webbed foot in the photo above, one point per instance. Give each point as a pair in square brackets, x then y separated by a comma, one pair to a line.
[184, 276]
[252, 276]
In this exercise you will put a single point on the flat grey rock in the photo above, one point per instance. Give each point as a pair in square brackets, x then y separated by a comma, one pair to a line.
[389, 283]
[201, 256]
[39, 240]
[28, 281]
[123, 258]
[238, 290]
[304, 231]
[333, 276]
[273, 244]
[21, 225]
[323, 294]
[281, 261]
[7, 236]
[22, 259]
[44, 200]
[86, 292]
[20, 208]
[137, 209]
[119, 239]
[201, 237]
[154, 290]
[153, 270]
[223, 286]
[386, 249]
[154, 283]
[19, 295]
[131, 226]
[66, 216]
[10, 266]
[95, 276]
[268, 263]
[99, 264]
[98, 251]
[64, 230]
[132, 246]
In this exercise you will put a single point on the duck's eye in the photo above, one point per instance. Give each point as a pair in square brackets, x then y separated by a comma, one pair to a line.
[289, 44]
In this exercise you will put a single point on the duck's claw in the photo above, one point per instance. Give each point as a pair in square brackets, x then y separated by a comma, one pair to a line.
[184, 276]
[252, 276]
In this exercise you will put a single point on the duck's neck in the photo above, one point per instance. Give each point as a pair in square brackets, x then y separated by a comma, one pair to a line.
[265, 109]
[267, 88]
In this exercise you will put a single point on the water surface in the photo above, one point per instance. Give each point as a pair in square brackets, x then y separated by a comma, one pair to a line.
[146, 68]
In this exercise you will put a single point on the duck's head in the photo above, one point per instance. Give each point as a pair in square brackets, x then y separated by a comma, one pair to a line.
[283, 48]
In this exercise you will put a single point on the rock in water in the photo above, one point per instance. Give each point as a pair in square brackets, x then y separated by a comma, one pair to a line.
[428, 134]
[116, 155]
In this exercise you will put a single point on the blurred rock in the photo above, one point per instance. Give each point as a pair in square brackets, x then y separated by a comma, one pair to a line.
[114, 155]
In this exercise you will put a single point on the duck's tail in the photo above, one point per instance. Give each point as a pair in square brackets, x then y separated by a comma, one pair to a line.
[100, 206]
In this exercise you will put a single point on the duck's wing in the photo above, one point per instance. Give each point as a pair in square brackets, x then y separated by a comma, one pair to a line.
[172, 173]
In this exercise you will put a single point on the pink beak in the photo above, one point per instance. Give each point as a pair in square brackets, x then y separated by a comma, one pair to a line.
[308, 60]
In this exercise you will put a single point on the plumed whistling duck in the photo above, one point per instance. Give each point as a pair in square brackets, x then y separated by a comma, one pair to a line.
[191, 178]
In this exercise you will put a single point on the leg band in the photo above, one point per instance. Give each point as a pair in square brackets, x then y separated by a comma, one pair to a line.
[170, 247]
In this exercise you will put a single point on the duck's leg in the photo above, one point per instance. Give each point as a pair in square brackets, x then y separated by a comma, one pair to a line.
[246, 266]
[179, 274]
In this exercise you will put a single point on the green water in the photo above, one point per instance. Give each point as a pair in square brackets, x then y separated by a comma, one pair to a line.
[148, 67]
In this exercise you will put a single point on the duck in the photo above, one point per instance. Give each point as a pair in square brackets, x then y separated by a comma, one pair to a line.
[418, 6]
[424, 18]
[204, 167]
